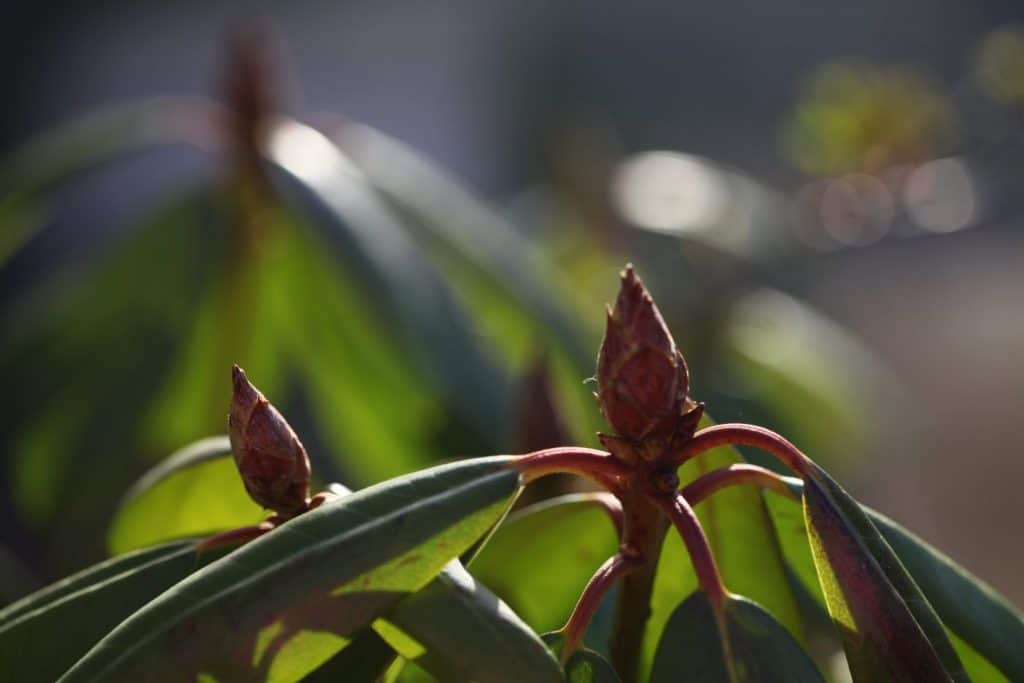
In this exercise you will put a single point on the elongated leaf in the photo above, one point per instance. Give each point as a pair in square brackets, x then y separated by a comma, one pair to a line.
[742, 537]
[788, 356]
[89, 141]
[194, 492]
[376, 248]
[540, 559]
[280, 606]
[988, 627]
[324, 321]
[460, 631]
[451, 217]
[966, 605]
[47, 632]
[889, 630]
[754, 646]
[585, 665]
[87, 363]
[86, 578]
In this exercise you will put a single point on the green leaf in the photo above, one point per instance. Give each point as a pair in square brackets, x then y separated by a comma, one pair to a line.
[375, 247]
[986, 630]
[742, 538]
[458, 630]
[363, 659]
[42, 635]
[69, 149]
[88, 356]
[585, 665]
[787, 355]
[889, 630]
[193, 492]
[323, 320]
[754, 646]
[470, 233]
[967, 606]
[86, 578]
[571, 535]
[283, 604]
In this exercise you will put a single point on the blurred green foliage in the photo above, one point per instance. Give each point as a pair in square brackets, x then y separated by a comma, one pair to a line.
[858, 117]
[388, 312]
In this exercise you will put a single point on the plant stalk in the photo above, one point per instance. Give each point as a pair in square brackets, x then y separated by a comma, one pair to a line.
[598, 586]
[644, 531]
[599, 466]
[746, 435]
[733, 475]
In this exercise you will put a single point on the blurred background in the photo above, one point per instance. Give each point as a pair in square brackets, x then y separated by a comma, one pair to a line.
[404, 219]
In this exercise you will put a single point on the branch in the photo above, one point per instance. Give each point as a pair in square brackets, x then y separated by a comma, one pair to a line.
[682, 516]
[605, 577]
[707, 484]
[746, 435]
[233, 536]
[599, 466]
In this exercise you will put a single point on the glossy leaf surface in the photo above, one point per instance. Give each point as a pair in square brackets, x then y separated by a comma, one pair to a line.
[283, 604]
[754, 647]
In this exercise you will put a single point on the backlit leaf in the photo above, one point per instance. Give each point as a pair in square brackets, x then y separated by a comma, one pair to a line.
[283, 604]
[985, 629]
[571, 535]
[193, 492]
[889, 630]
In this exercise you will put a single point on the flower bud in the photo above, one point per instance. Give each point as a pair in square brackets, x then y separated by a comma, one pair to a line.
[641, 376]
[269, 456]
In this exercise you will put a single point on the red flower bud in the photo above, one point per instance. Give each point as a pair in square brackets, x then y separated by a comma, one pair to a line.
[641, 376]
[269, 456]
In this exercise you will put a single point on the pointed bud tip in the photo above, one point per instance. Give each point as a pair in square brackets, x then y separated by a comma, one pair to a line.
[243, 390]
[641, 375]
[270, 458]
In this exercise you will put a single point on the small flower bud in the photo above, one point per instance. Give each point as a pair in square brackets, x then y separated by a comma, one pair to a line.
[641, 376]
[269, 456]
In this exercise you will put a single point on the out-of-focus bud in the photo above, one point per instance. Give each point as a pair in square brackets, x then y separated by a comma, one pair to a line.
[271, 459]
[642, 378]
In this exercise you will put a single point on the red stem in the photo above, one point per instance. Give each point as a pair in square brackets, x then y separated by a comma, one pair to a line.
[685, 520]
[234, 536]
[599, 466]
[746, 435]
[704, 486]
[599, 584]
